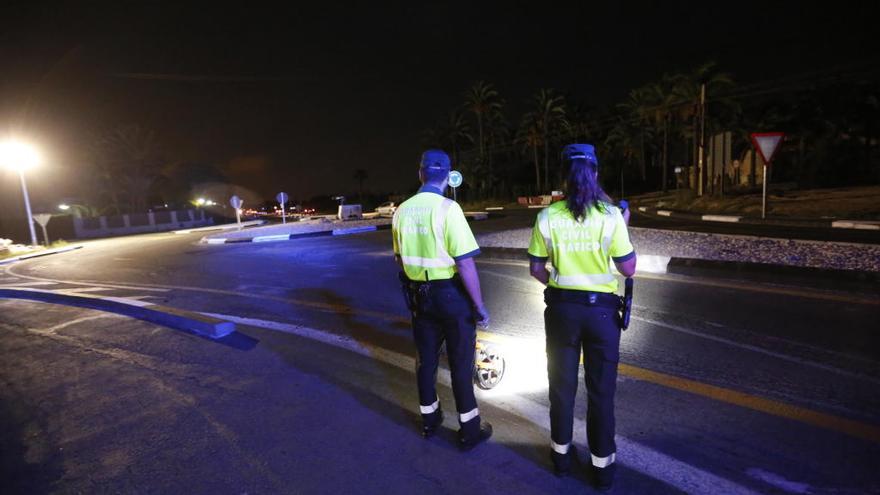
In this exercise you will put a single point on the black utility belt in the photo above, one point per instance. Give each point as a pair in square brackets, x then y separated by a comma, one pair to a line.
[455, 281]
[589, 298]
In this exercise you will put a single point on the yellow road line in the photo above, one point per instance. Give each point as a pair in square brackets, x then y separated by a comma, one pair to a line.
[827, 421]
[708, 282]
[850, 427]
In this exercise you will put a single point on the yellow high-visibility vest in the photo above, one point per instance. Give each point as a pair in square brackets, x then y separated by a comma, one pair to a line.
[581, 251]
[430, 233]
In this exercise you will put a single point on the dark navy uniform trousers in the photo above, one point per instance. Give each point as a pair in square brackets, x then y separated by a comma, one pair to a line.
[444, 314]
[573, 323]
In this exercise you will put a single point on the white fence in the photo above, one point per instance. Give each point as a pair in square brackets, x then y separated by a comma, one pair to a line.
[139, 223]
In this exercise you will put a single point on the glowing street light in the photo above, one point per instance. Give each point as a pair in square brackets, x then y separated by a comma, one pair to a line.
[18, 156]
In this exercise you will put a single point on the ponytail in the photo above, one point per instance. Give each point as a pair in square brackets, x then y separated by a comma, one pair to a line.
[583, 191]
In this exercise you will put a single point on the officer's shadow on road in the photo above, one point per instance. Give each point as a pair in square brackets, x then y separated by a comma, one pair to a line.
[401, 384]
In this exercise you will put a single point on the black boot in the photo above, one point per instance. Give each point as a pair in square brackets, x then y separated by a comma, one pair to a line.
[430, 423]
[465, 443]
[603, 478]
[562, 462]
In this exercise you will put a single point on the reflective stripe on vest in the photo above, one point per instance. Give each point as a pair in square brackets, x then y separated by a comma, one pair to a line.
[581, 280]
[427, 262]
[544, 227]
[440, 234]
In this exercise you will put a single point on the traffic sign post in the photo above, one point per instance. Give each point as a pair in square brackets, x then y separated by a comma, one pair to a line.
[236, 203]
[282, 198]
[766, 144]
[455, 180]
[43, 220]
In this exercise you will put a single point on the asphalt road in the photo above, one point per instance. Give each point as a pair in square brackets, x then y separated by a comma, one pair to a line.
[521, 217]
[724, 386]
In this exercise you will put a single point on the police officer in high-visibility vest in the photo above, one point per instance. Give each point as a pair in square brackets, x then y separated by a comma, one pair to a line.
[435, 249]
[580, 237]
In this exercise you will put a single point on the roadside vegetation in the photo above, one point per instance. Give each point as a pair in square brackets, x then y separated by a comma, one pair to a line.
[831, 120]
[852, 203]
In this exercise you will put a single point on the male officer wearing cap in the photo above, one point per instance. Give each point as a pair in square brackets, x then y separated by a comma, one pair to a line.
[435, 248]
[580, 237]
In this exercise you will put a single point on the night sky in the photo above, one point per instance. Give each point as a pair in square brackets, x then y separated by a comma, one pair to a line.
[300, 97]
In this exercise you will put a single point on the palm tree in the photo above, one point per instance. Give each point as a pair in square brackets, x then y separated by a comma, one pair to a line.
[579, 124]
[127, 164]
[624, 139]
[687, 90]
[360, 175]
[664, 100]
[529, 136]
[496, 132]
[549, 113]
[482, 100]
[639, 108]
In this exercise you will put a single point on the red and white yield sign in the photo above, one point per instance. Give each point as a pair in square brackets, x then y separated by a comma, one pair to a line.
[767, 144]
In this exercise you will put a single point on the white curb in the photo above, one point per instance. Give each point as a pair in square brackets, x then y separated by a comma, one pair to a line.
[270, 238]
[855, 224]
[720, 218]
[226, 226]
[354, 230]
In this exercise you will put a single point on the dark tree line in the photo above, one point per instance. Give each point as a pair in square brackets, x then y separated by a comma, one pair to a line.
[830, 120]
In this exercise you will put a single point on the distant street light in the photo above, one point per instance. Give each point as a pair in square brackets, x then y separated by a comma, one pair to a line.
[18, 156]
[76, 210]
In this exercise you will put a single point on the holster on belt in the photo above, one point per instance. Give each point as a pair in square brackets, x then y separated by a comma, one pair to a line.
[626, 303]
[621, 304]
[587, 298]
[410, 293]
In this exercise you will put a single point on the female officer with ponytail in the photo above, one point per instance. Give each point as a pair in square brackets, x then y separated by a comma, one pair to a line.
[580, 237]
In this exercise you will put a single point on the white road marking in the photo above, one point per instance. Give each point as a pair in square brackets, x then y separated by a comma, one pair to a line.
[641, 458]
[82, 289]
[26, 284]
[778, 481]
[140, 298]
[759, 350]
[664, 213]
[77, 321]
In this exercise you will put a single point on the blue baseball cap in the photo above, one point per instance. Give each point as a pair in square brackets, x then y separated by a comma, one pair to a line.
[436, 159]
[580, 152]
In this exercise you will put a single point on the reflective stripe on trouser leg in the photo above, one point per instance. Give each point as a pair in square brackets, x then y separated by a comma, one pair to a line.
[461, 337]
[465, 417]
[560, 449]
[601, 356]
[430, 409]
[428, 339]
[602, 462]
[563, 357]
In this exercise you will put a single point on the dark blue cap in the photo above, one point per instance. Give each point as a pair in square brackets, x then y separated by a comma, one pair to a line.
[580, 152]
[436, 159]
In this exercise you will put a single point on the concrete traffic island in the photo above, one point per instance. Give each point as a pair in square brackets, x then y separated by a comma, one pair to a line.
[726, 248]
[292, 230]
[170, 317]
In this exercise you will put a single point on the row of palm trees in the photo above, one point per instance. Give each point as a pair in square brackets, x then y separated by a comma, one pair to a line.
[659, 126]
[479, 135]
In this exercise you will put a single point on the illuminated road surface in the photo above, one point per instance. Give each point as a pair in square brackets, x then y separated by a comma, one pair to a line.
[740, 386]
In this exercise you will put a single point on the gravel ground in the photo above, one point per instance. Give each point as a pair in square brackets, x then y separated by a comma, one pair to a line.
[305, 227]
[836, 255]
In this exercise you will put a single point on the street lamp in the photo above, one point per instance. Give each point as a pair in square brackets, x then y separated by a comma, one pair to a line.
[19, 156]
[75, 209]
